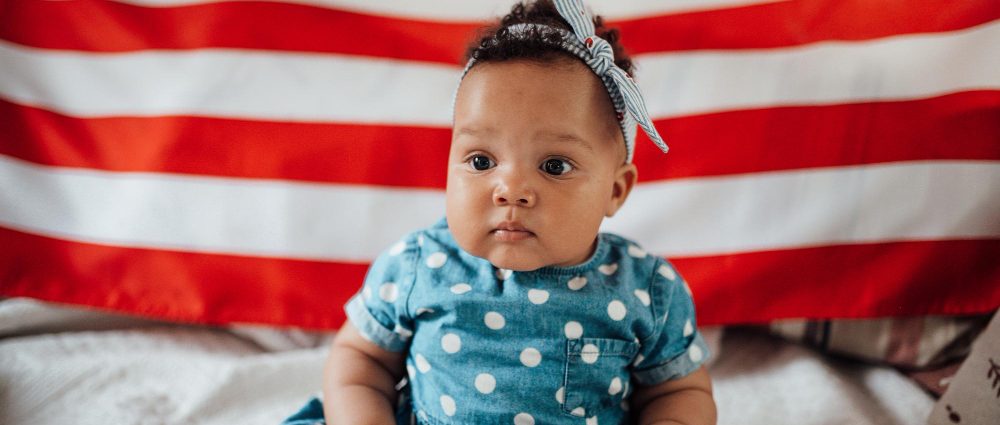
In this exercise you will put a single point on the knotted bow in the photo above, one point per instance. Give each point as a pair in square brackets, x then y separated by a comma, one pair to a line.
[602, 61]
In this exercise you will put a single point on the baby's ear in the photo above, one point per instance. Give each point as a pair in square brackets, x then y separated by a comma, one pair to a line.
[625, 178]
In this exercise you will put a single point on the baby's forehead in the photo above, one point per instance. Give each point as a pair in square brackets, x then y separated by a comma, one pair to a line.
[560, 100]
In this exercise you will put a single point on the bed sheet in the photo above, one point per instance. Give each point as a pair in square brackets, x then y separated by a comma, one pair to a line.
[65, 365]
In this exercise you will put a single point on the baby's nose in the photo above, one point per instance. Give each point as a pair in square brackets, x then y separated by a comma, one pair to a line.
[524, 201]
[513, 193]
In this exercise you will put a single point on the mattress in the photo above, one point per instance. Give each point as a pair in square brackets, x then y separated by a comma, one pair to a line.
[63, 365]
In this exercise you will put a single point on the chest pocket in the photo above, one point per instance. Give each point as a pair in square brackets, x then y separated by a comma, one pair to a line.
[596, 374]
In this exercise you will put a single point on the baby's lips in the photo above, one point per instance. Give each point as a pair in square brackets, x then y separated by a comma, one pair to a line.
[513, 226]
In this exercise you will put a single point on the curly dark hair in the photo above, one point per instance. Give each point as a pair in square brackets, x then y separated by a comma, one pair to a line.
[497, 44]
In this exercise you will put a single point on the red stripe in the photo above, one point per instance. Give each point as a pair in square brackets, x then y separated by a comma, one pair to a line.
[855, 281]
[178, 286]
[847, 281]
[960, 126]
[103, 26]
[338, 153]
[794, 23]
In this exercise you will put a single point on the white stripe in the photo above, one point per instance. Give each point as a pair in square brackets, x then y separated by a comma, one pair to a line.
[338, 88]
[927, 200]
[229, 83]
[468, 10]
[895, 68]
[889, 202]
[267, 218]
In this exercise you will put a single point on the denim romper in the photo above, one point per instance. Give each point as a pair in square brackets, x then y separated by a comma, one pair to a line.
[550, 346]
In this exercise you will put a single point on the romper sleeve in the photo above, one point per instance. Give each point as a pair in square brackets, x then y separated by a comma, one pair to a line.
[378, 310]
[675, 348]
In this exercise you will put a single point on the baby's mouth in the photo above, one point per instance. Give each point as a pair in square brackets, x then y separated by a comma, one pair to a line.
[511, 231]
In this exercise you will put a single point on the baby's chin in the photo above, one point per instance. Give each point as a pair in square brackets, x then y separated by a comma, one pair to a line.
[523, 256]
[510, 259]
[526, 260]
[515, 264]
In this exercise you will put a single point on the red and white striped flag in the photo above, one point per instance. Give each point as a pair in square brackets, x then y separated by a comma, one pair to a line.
[243, 161]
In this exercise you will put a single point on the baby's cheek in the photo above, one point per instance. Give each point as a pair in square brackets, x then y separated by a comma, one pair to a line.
[577, 229]
[464, 234]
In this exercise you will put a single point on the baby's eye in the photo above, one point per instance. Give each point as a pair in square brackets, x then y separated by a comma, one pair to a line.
[481, 162]
[556, 167]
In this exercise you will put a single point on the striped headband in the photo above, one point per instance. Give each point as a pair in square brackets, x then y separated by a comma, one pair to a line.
[599, 56]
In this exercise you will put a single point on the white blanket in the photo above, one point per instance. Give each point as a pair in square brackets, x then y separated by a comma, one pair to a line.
[68, 366]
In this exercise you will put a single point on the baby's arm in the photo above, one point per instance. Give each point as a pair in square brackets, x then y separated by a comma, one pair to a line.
[687, 401]
[359, 380]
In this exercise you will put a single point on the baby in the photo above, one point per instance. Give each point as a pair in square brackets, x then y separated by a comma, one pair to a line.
[514, 309]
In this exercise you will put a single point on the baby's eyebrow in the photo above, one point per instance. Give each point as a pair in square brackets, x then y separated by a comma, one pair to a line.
[563, 136]
[473, 131]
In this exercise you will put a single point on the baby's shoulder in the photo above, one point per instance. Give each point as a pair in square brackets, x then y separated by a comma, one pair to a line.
[418, 242]
[432, 252]
[434, 241]
[630, 255]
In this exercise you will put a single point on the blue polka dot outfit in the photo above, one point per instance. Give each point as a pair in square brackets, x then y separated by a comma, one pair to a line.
[550, 346]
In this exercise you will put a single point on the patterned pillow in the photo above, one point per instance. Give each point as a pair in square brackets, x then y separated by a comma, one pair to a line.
[912, 343]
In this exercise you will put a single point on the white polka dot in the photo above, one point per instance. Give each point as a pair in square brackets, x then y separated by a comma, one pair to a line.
[423, 310]
[485, 383]
[494, 320]
[410, 371]
[695, 353]
[388, 292]
[579, 411]
[592, 420]
[616, 386]
[422, 365]
[530, 357]
[403, 332]
[461, 288]
[667, 272]
[576, 283]
[397, 248]
[538, 296]
[436, 260]
[642, 295]
[608, 269]
[638, 359]
[448, 405]
[625, 391]
[367, 294]
[688, 329]
[561, 395]
[524, 419]
[617, 310]
[451, 343]
[573, 330]
[636, 251]
[589, 353]
[504, 274]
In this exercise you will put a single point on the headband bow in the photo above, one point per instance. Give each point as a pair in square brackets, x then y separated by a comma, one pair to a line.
[597, 53]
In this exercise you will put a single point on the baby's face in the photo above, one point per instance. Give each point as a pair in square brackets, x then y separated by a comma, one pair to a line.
[536, 163]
